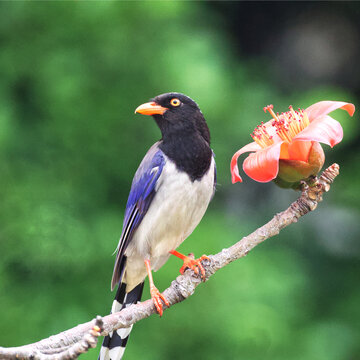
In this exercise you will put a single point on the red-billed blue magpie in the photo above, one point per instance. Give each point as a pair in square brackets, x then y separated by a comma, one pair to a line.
[170, 193]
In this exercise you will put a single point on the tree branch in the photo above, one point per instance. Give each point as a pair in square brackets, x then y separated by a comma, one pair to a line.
[73, 342]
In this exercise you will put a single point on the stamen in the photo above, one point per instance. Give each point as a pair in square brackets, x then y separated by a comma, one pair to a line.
[288, 124]
[292, 110]
[261, 136]
[269, 108]
[266, 108]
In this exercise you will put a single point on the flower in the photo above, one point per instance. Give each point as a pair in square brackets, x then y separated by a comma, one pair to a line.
[287, 147]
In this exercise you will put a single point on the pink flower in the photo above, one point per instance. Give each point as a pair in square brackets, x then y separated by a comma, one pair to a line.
[287, 147]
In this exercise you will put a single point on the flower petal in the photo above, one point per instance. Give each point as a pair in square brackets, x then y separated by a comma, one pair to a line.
[263, 166]
[235, 177]
[284, 151]
[324, 129]
[322, 108]
[299, 150]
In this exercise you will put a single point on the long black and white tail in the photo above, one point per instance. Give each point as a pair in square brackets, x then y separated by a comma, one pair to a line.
[113, 346]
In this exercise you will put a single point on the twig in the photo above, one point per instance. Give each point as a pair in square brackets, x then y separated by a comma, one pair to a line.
[56, 351]
[73, 342]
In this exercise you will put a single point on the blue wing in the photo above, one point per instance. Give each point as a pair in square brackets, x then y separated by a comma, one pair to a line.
[143, 190]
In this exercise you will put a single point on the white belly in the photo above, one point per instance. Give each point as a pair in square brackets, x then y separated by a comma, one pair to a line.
[175, 211]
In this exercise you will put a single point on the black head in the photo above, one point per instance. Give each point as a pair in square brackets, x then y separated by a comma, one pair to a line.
[176, 115]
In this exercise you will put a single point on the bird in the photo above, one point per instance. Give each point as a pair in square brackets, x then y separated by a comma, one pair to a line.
[169, 195]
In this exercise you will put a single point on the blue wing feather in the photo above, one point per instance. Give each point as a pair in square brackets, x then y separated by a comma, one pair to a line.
[143, 190]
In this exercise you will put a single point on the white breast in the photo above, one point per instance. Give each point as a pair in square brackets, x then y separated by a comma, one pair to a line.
[175, 211]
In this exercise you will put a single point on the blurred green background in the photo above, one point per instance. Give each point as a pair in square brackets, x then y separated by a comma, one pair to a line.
[71, 75]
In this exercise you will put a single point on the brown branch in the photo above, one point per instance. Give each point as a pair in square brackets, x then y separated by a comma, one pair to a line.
[46, 349]
[73, 342]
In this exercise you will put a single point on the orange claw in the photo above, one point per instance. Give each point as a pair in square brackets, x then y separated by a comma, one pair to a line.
[157, 296]
[191, 263]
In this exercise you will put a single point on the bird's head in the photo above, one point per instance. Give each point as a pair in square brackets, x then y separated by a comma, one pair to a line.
[176, 114]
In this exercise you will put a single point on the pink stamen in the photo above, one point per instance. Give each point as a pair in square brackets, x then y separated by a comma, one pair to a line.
[268, 108]
[287, 125]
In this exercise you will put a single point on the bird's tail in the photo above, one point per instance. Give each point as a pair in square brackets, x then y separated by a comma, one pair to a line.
[113, 346]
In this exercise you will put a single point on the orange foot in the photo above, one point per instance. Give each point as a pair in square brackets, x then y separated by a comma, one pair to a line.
[191, 263]
[157, 296]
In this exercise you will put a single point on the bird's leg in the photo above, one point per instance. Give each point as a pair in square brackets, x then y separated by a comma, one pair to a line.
[191, 263]
[156, 295]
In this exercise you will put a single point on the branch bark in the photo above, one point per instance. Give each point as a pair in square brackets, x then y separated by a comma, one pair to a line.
[73, 342]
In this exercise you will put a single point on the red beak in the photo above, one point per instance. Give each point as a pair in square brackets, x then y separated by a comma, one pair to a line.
[150, 108]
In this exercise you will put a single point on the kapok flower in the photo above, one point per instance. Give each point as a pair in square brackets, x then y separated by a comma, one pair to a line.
[287, 147]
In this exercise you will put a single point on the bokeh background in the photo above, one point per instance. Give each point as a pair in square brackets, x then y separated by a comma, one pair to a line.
[71, 75]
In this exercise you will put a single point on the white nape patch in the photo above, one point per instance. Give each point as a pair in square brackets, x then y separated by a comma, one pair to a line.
[116, 353]
[177, 208]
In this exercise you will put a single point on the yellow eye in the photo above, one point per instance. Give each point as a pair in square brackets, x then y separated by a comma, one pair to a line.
[175, 102]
